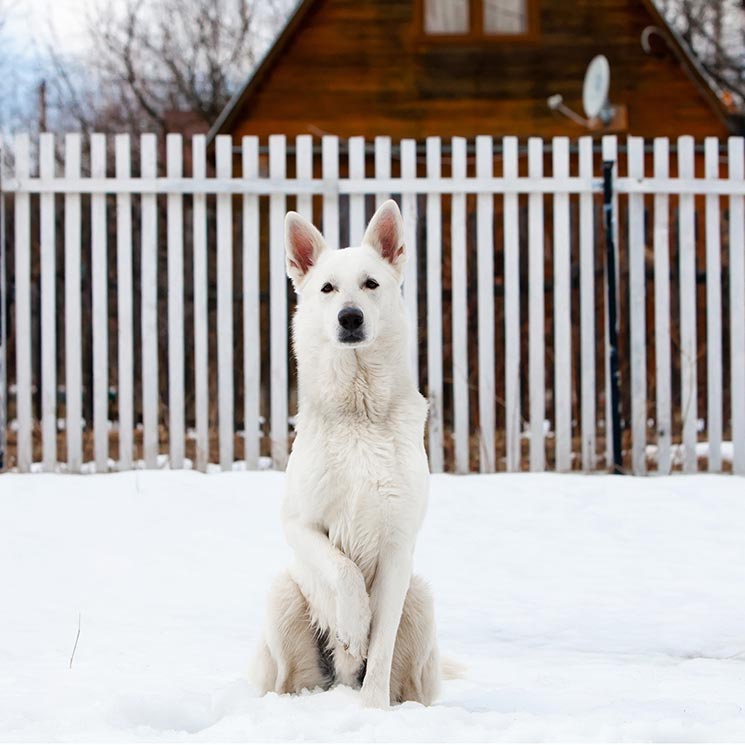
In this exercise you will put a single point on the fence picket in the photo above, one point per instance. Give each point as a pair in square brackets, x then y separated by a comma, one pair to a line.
[251, 308]
[713, 312]
[23, 307]
[382, 166]
[125, 365]
[149, 310]
[201, 349]
[304, 171]
[637, 315]
[562, 315]
[587, 307]
[175, 217]
[687, 268]
[330, 171]
[458, 282]
[485, 290]
[736, 168]
[225, 413]
[73, 327]
[278, 303]
[100, 314]
[409, 212]
[513, 419]
[662, 309]
[47, 263]
[434, 310]
[356, 201]
[536, 323]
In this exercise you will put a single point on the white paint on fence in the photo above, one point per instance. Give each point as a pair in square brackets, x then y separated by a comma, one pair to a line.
[662, 309]
[48, 263]
[23, 307]
[382, 166]
[100, 310]
[303, 171]
[409, 213]
[458, 282]
[562, 312]
[175, 216]
[278, 304]
[149, 307]
[512, 326]
[713, 312]
[201, 349]
[587, 308]
[419, 185]
[330, 171]
[637, 314]
[434, 310]
[536, 310]
[225, 396]
[251, 309]
[356, 201]
[737, 304]
[124, 297]
[485, 290]
[687, 268]
[73, 322]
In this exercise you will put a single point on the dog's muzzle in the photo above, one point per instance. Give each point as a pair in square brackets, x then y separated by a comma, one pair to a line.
[351, 322]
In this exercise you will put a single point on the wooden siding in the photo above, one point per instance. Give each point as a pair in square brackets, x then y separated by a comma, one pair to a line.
[361, 67]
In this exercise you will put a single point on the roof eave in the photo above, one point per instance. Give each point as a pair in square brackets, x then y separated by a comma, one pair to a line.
[262, 68]
[692, 66]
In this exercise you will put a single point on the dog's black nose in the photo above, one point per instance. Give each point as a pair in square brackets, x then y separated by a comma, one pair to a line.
[351, 318]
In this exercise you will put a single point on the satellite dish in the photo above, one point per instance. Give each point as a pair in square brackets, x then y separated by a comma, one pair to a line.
[595, 88]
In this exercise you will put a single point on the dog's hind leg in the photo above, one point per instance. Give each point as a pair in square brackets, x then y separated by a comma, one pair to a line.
[415, 672]
[292, 655]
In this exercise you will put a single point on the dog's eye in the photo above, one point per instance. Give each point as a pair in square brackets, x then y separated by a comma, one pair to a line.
[371, 284]
[328, 287]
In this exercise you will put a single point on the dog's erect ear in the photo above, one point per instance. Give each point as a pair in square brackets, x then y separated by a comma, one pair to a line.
[303, 245]
[385, 234]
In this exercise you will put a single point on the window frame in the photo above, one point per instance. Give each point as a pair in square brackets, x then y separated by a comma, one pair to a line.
[476, 35]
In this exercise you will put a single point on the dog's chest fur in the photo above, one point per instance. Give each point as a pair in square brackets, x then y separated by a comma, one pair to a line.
[360, 452]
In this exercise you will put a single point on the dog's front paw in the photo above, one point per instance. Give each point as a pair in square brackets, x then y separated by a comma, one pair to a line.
[352, 614]
[375, 696]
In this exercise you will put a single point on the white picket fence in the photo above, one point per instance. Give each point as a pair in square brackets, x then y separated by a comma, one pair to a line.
[526, 436]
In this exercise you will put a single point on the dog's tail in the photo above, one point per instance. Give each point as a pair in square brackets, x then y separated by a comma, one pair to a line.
[451, 669]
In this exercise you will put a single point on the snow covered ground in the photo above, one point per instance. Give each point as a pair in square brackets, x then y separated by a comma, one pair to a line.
[583, 607]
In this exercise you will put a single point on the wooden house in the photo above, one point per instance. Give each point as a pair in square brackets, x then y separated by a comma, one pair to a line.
[414, 68]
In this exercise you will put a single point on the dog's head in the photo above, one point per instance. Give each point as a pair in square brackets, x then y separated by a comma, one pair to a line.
[348, 294]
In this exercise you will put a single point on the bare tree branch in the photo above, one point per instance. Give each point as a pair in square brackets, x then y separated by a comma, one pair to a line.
[152, 57]
[714, 30]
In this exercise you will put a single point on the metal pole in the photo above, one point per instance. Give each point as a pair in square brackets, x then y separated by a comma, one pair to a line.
[610, 278]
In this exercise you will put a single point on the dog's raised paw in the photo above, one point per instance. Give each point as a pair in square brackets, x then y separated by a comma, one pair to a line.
[352, 633]
[352, 614]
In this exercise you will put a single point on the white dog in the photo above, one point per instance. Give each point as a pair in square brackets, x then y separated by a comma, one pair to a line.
[349, 610]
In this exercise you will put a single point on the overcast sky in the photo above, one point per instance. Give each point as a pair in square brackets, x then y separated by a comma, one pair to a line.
[37, 22]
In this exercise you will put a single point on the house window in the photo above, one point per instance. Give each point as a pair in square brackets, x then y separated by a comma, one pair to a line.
[505, 17]
[476, 18]
[446, 16]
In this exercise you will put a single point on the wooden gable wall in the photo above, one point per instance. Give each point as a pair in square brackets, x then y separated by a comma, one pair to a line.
[362, 67]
